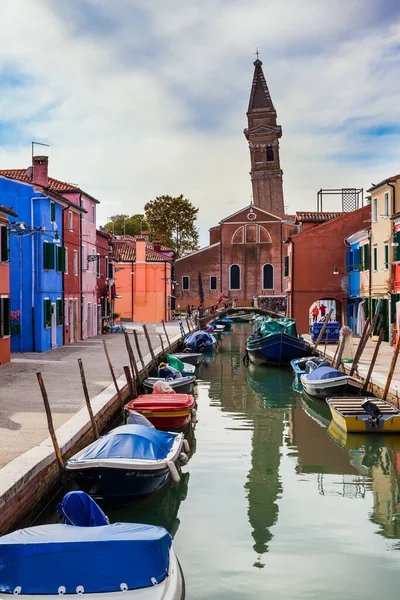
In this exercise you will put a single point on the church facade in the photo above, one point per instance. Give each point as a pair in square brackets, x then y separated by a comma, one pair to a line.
[245, 258]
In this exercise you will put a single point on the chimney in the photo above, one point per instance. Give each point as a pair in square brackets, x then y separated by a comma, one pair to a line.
[157, 246]
[41, 170]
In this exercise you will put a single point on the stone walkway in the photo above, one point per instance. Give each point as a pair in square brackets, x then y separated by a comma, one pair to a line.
[381, 369]
[23, 422]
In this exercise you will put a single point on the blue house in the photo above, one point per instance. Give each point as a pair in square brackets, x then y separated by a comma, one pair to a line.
[37, 263]
[354, 266]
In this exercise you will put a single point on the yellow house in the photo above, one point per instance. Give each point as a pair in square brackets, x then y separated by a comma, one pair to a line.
[385, 203]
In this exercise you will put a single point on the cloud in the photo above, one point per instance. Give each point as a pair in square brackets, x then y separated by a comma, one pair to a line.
[139, 99]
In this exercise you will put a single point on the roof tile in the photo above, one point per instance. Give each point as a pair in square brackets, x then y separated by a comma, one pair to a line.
[316, 217]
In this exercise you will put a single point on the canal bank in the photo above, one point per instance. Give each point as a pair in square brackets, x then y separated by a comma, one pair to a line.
[32, 474]
[270, 503]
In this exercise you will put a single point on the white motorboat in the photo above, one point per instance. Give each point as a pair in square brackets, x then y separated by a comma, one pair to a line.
[327, 381]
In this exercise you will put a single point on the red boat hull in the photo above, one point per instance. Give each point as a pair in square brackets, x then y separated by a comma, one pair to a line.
[167, 412]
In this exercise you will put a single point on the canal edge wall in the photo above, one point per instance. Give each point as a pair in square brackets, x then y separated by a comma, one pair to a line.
[33, 476]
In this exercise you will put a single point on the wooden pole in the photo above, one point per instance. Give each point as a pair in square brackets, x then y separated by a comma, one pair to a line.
[51, 425]
[134, 367]
[162, 344]
[361, 345]
[129, 381]
[391, 371]
[113, 375]
[321, 333]
[166, 335]
[188, 325]
[144, 368]
[153, 356]
[87, 400]
[340, 352]
[373, 361]
[326, 341]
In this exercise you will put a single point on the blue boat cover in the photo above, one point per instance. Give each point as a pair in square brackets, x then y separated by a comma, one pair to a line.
[225, 320]
[81, 510]
[131, 441]
[52, 558]
[200, 336]
[324, 373]
[136, 418]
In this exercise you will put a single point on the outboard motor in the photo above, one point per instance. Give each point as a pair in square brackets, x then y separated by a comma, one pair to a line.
[81, 510]
[373, 412]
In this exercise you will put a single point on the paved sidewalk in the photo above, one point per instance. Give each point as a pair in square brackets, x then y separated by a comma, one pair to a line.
[382, 365]
[23, 422]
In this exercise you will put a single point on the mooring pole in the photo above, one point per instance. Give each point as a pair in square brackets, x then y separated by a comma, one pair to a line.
[113, 375]
[166, 335]
[134, 367]
[129, 381]
[188, 324]
[144, 368]
[87, 400]
[51, 425]
[321, 333]
[162, 344]
[373, 361]
[391, 371]
[361, 345]
[153, 356]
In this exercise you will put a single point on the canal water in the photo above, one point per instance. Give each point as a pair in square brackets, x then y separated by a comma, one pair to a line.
[272, 504]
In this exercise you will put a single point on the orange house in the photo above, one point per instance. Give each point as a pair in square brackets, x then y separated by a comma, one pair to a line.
[143, 280]
[5, 324]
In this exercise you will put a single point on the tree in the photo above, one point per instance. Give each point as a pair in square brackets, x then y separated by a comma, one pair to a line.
[124, 224]
[172, 221]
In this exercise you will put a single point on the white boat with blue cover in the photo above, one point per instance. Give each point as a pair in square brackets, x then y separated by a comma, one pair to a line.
[301, 366]
[94, 559]
[327, 381]
[129, 462]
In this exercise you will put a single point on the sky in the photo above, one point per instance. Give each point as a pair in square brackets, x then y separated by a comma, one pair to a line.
[138, 99]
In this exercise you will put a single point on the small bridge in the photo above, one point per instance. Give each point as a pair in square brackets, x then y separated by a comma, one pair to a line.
[209, 318]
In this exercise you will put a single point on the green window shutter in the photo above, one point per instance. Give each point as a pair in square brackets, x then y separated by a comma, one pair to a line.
[396, 249]
[48, 253]
[286, 267]
[386, 248]
[60, 315]
[52, 211]
[5, 244]
[375, 259]
[60, 251]
[5, 324]
[47, 313]
[365, 257]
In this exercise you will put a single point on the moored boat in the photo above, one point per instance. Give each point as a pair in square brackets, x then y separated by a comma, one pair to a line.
[93, 558]
[167, 412]
[364, 415]
[275, 341]
[129, 462]
[200, 341]
[182, 367]
[182, 385]
[327, 381]
[225, 321]
[304, 365]
[192, 358]
[241, 317]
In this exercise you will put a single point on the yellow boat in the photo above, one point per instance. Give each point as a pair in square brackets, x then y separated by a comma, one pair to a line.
[364, 415]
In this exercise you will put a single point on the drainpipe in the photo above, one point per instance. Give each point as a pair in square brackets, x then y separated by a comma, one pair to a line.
[80, 262]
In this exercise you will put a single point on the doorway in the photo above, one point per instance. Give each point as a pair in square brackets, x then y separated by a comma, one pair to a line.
[99, 320]
[71, 322]
[75, 320]
[94, 319]
[53, 325]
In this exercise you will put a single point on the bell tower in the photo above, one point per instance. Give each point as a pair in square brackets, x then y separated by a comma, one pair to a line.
[263, 136]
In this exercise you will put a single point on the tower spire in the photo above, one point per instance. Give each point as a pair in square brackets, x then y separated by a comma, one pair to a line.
[263, 134]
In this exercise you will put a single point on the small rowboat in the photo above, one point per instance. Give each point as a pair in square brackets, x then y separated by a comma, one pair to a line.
[167, 412]
[364, 415]
[182, 385]
[324, 382]
[192, 358]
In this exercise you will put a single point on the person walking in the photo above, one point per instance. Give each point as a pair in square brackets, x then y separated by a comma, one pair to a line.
[322, 309]
[315, 313]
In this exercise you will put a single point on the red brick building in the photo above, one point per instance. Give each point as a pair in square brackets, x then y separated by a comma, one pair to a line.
[245, 256]
[72, 279]
[315, 264]
[5, 325]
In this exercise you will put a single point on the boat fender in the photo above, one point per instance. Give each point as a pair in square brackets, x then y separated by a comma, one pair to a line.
[124, 587]
[183, 458]
[174, 471]
[186, 446]
[61, 590]
[18, 590]
[154, 581]
[80, 589]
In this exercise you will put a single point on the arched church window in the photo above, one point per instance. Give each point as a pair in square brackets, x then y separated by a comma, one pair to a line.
[234, 277]
[238, 236]
[268, 277]
[270, 155]
[264, 236]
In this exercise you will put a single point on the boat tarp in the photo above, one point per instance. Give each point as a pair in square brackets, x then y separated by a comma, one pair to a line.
[53, 559]
[325, 373]
[81, 510]
[266, 327]
[131, 441]
[200, 336]
[174, 362]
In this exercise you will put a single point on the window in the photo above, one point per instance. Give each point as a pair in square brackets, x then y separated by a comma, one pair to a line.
[185, 283]
[375, 209]
[59, 312]
[286, 267]
[110, 270]
[5, 325]
[238, 236]
[94, 266]
[268, 277]
[213, 283]
[106, 268]
[251, 234]
[98, 265]
[375, 258]
[93, 213]
[258, 157]
[66, 261]
[47, 313]
[60, 254]
[234, 277]
[66, 311]
[48, 252]
[70, 220]
[83, 259]
[52, 212]
[396, 249]
[365, 251]
[83, 308]
[4, 244]
[75, 262]
[270, 155]
[386, 256]
[386, 204]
